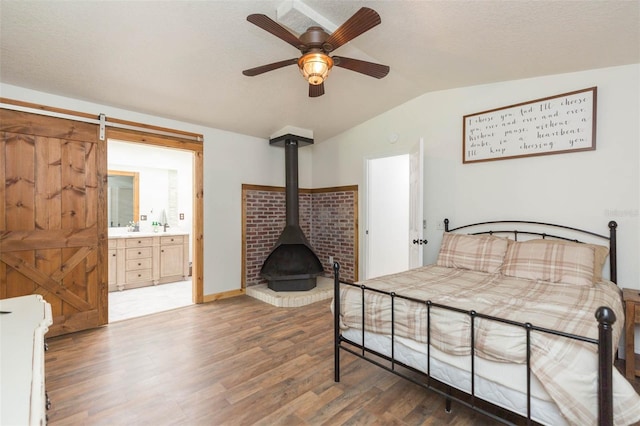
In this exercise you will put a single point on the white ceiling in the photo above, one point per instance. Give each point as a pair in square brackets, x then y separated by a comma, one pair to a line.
[183, 59]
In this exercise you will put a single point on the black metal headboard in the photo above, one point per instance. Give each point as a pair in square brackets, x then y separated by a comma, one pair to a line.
[611, 238]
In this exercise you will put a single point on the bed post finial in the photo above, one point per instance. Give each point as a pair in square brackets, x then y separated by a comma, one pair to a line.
[606, 317]
[446, 225]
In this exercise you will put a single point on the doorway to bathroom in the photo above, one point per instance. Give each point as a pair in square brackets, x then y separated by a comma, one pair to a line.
[150, 219]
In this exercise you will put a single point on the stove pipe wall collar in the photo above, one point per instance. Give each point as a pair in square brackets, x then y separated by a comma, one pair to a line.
[303, 137]
[281, 141]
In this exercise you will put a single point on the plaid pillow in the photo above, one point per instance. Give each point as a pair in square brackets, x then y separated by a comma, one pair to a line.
[600, 253]
[483, 253]
[553, 262]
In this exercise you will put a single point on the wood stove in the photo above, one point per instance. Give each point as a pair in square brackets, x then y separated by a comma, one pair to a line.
[292, 265]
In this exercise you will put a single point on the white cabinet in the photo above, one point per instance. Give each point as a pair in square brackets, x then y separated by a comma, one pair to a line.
[148, 259]
[24, 321]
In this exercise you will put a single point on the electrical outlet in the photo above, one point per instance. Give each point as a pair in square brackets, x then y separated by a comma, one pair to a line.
[181, 216]
[331, 260]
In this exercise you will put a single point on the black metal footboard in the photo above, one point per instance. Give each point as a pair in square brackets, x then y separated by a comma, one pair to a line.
[604, 315]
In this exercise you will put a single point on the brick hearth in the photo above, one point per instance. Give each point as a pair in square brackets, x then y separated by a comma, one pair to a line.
[293, 299]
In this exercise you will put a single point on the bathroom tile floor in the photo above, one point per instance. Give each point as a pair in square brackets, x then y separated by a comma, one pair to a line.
[148, 300]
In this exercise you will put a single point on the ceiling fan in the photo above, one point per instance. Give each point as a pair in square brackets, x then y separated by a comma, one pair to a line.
[315, 44]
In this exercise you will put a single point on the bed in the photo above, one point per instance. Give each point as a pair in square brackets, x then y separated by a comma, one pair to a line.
[514, 314]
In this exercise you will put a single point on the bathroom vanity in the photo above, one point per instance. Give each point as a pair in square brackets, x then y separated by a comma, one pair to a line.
[139, 259]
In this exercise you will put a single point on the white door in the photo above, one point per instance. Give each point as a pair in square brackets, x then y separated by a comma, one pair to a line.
[387, 231]
[416, 199]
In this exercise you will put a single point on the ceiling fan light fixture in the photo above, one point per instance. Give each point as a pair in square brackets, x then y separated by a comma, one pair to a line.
[315, 67]
[315, 44]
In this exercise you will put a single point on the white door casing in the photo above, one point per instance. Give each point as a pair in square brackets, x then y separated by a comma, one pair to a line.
[416, 200]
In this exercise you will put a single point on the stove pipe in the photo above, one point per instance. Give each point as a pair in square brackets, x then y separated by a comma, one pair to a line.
[291, 182]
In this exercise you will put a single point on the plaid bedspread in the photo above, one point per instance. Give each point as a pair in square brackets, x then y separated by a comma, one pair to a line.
[566, 368]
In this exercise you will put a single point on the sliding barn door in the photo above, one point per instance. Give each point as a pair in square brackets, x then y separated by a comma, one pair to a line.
[52, 217]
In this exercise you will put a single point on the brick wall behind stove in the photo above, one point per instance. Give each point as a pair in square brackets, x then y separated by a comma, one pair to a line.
[330, 213]
[333, 230]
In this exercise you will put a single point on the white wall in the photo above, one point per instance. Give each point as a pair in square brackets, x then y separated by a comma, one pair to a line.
[230, 159]
[584, 189]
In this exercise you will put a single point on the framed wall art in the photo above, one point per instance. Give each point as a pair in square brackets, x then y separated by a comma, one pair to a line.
[552, 125]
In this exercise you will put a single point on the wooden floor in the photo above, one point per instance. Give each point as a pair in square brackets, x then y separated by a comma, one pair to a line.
[231, 362]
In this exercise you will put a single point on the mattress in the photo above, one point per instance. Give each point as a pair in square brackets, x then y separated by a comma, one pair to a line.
[498, 383]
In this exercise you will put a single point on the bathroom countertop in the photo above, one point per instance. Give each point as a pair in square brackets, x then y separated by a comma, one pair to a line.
[142, 234]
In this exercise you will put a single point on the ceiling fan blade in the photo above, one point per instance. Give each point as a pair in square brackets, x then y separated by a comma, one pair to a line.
[363, 67]
[269, 67]
[269, 25]
[361, 21]
[316, 90]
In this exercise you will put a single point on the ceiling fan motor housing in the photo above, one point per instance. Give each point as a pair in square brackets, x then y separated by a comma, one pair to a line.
[314, 38]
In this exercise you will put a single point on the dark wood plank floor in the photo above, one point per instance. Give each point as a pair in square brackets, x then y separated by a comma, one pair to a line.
[232, 362]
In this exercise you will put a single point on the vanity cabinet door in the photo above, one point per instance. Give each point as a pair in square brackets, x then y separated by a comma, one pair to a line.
[113, 269]
[171, 260]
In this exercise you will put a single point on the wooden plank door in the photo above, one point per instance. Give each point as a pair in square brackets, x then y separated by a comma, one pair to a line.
[53, 227]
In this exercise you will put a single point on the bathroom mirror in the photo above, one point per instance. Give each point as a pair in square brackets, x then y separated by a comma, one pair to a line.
[123, 198]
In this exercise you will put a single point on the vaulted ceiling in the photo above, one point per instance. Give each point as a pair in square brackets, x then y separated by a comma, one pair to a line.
[184, 59]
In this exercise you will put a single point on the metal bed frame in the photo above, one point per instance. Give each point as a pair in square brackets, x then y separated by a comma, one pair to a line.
[604, 315]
